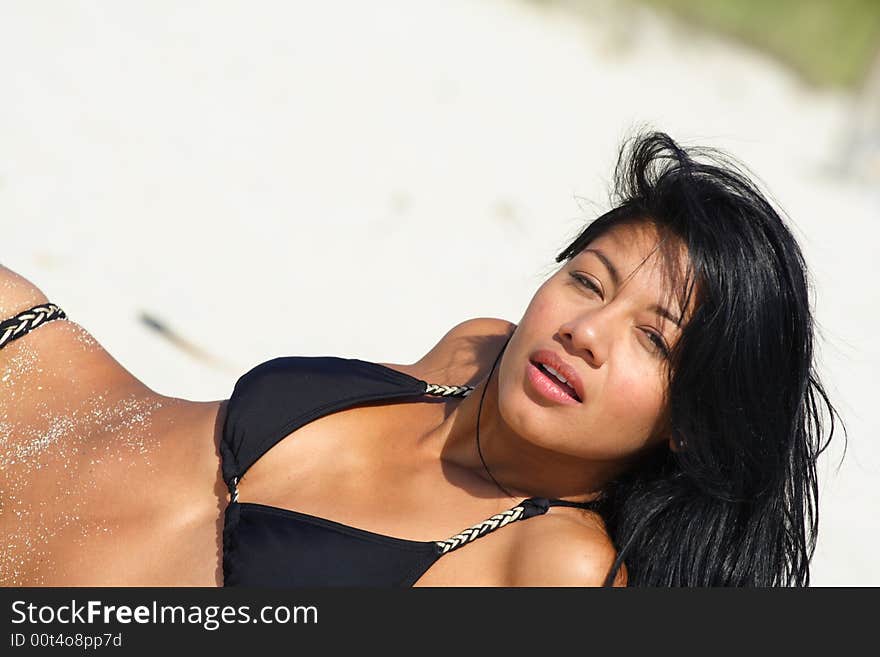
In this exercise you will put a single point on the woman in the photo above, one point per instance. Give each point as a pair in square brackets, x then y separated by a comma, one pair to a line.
[651, 420]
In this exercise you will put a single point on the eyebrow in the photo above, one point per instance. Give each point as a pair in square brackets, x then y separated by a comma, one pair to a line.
[615, 277]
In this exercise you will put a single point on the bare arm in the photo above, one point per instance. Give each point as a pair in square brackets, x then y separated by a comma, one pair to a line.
[92, 462]
[17, 293]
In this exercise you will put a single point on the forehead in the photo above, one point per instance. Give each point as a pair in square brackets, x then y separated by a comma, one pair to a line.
[642, 235]
[629, 245]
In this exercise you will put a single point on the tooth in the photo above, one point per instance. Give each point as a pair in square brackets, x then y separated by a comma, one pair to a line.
[556, 374]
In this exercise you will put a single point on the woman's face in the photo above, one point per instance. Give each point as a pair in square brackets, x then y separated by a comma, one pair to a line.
[607, 329]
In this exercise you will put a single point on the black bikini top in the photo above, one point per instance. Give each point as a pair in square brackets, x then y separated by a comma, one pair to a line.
[269, 546]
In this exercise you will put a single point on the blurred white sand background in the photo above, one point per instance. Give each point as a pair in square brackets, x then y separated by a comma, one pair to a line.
[353, 179]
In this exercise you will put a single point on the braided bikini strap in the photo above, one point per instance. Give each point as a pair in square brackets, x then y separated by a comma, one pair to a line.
[447, 391]
[489, 525]
[26, 321]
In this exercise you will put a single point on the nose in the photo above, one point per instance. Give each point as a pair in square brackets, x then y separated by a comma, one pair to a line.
[587, 336]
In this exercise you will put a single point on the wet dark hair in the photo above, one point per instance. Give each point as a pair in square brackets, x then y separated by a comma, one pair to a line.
[737, 503]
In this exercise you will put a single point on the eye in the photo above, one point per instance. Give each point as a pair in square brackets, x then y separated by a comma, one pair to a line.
[657, 339]
[585, 282]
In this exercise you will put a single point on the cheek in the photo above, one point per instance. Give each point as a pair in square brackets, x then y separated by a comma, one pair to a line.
[540, 311]
[634, 402]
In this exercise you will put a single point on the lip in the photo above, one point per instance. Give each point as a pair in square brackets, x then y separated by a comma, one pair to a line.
[547, 357]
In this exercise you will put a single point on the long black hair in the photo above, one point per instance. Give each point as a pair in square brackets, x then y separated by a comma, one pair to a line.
[737, 503]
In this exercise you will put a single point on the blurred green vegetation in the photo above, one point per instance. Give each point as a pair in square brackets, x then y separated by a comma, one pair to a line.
[829, 42]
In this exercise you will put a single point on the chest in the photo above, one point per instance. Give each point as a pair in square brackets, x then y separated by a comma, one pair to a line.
[368, 468]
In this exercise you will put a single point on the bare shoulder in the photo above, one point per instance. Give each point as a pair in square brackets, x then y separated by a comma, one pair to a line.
[563, 547]
[463, 352]
[477, 327]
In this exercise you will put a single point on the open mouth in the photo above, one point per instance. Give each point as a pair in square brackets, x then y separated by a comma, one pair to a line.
[554, 378]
